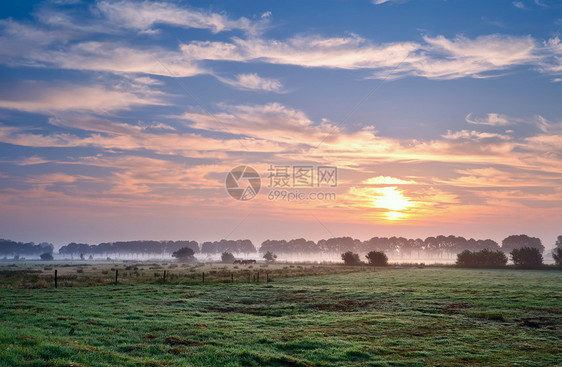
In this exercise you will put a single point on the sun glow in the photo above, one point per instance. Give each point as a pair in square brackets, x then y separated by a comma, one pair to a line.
[394, 215]
[394, 200]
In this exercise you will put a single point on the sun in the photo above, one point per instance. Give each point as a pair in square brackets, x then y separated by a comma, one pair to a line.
[394, 200]
[391, 198]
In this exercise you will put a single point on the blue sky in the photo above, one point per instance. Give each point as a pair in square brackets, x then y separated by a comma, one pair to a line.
[119, 120]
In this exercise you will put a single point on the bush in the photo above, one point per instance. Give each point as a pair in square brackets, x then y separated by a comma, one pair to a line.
[377, 258]
[349, 258]
[227, 258]
[481, 259]
[270, 257]
[526, 257]
[46, 257]
[184, 254]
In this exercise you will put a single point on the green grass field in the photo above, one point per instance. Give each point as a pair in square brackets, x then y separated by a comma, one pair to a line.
[391, 317]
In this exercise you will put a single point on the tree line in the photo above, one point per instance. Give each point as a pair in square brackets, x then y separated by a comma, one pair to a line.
[13, 248]
[522, 255]
[526, 253]
[142, 247]
[436, 247]
[439, 246]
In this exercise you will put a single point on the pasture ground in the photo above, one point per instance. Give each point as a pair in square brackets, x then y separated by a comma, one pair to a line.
[390, 317]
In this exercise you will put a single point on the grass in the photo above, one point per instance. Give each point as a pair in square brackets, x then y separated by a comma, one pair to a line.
[35, 274]
[394, 317]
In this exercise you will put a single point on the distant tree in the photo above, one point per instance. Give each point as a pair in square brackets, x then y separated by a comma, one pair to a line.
[227, 258]
[46, 256]
[184, 254]
[350, 258]
[481, 259]
[171, 246]
[232, 246]
[557, 252]
[245, 247]
[377, 258]
[91, 257]
[526, 257]
[270, 257]
[302, 246]
[9, 247]
[81, 256]
[338, 244]
[519, 241]
[279, 246]
[477, 245]
[557, 256]
[431, 245]
[376, 244]
[74, 248]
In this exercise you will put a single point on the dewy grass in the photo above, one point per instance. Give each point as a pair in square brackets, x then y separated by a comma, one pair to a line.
[399, 317]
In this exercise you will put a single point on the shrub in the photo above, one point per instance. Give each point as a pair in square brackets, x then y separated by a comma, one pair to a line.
[349, 258]
[184, 254]
[481, 259]
[46, 257]
[377, 258]
[227, 258]
[270, 257]
[526, 257]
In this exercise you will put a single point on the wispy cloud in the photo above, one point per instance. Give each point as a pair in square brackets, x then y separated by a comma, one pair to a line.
[253, 82]
[144, 15]
[351, 52]
[379, 2]
[34, 96]
[65, 46]
[437, 58]
[385, 180]
[117, 58]
[443, 58]
[491, 119]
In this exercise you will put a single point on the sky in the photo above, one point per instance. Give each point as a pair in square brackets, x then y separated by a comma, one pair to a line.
[121, 120]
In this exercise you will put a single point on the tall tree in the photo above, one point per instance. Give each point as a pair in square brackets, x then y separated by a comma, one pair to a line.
[513, 242]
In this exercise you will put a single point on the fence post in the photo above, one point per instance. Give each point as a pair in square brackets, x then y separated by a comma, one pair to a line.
[56, 273]
[164, 276]
[203, 277]
[258, 276]
[267, 277]
[232, 277]
[116, 275]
